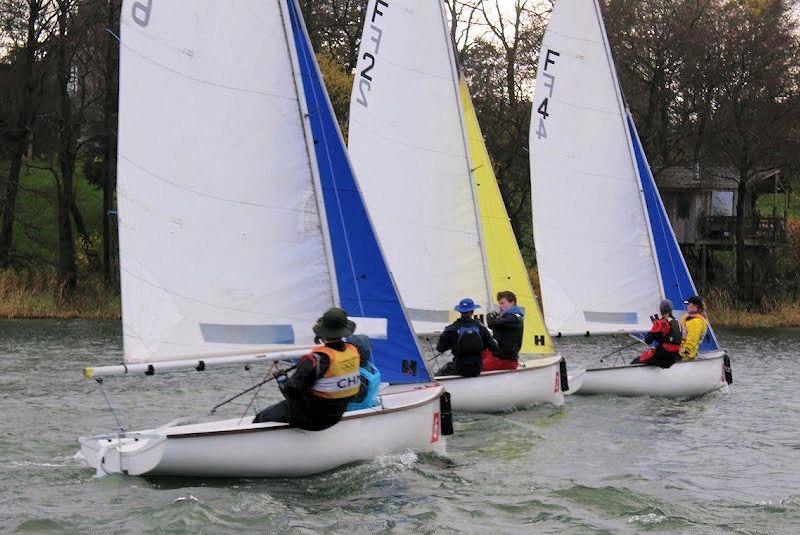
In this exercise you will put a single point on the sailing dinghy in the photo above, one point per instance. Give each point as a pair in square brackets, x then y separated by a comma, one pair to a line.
[605, 248]
[422, 164]
[240, 223]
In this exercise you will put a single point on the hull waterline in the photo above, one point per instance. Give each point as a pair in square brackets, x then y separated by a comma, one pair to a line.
[538, 382]
[681, 380]
[407, 420]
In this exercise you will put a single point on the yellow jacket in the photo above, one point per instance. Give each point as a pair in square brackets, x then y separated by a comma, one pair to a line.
[694, 327]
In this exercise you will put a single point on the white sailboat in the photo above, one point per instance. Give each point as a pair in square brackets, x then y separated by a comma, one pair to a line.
[426, 176]
[605, 249]
[240, 223]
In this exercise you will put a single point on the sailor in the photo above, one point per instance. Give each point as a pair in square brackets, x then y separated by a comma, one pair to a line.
[694, 326]
[507, 328]
[666, 333]
[370, 376]
[325, 380]
[466, 338]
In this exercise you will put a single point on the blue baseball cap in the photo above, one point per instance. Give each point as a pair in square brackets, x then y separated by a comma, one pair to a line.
[466, 305]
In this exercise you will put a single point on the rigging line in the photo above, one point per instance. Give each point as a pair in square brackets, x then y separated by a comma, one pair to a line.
[200, 80]
[576, 38]
[253, 382]
[155, 39]
[208, 195]
[445, 77]
[585, 108]
[99, 382]
[311, 70]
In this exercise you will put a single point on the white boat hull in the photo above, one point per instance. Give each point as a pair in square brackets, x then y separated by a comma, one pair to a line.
[575, 380]
[681, 380]
[407, 420]
[539, 381]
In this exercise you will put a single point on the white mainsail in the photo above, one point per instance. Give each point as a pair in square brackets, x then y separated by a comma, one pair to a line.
[221, 246]
[407, 143]
[593, 244]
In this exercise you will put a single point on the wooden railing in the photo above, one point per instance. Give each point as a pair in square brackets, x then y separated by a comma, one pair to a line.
[761, 229]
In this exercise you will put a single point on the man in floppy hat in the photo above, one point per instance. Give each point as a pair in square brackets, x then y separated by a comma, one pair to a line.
[325, 380]
[694, 326]
[666, 334]
[466, 338]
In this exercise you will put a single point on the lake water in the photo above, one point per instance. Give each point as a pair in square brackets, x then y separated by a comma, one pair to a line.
[726, 462]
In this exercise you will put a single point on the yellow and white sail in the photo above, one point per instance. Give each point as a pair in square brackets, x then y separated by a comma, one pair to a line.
[507, 270]
[414, 143]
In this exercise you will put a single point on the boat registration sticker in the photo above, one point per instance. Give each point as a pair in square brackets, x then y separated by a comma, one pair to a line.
[436, 428]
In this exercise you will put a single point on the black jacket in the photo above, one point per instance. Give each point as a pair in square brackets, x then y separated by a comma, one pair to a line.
[449, 339]
[306, 410]
[507, 329]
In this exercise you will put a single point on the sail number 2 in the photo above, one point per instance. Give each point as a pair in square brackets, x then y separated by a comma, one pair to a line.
[549, 83]
[365, 78]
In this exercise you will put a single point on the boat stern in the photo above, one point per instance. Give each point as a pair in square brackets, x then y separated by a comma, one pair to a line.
[123, 453]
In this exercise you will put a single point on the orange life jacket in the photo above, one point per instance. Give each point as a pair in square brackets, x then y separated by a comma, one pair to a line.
[342, 379]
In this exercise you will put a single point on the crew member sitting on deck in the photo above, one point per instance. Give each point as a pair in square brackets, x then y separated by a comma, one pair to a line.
[370, 376]
[466, 338]
[324, 382]
[666, 333]
[507, 328]
[694, 326]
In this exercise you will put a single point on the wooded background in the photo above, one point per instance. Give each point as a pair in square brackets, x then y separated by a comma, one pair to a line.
[714, 82]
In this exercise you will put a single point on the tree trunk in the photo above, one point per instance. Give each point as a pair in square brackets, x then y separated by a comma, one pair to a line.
[511, 72]
[77, 217]
[741, 219]
[110, 164]
[67, 272]
[22, 133]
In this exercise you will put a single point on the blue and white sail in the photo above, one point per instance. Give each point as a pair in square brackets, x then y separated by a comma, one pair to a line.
[605, 250]
[240, 221]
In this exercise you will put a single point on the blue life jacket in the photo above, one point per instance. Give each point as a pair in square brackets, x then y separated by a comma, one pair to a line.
[371, 378]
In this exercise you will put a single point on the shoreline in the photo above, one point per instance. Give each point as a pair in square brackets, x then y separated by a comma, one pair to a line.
[37, 295]
[720, 319]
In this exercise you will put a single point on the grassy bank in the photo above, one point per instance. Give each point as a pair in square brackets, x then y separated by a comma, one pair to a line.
[37, 294]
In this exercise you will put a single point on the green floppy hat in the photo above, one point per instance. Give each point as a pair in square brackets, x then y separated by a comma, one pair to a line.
[334, 324]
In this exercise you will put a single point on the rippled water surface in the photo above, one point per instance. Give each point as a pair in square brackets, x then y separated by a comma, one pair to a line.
[726, 462]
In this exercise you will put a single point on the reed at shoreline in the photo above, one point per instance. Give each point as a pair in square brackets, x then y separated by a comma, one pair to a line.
[36, 294]
[771, 314]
